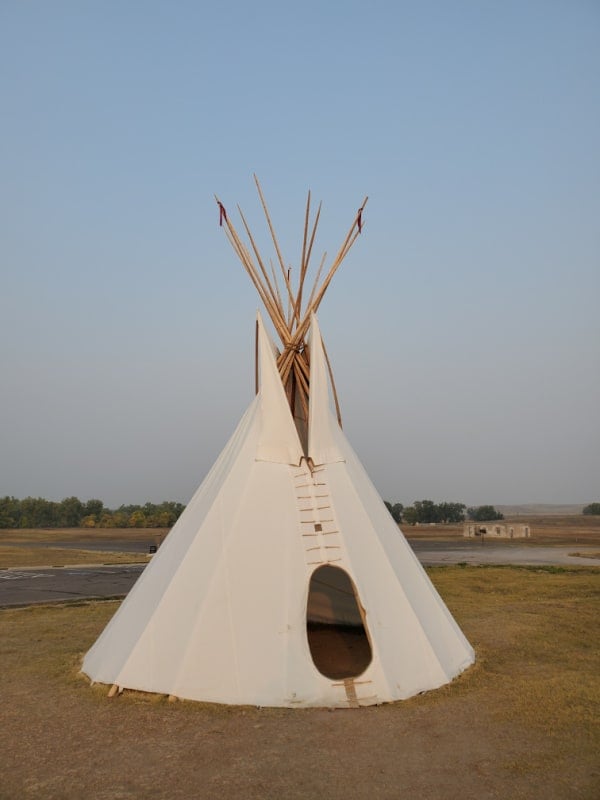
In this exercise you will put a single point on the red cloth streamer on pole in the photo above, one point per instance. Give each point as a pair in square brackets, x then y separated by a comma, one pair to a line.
[222, 213]
[359, 220]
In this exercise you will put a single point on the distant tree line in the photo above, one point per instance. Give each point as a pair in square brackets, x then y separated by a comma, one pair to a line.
[426, 512]
[483, 513]
[35, 512]
[592, 510]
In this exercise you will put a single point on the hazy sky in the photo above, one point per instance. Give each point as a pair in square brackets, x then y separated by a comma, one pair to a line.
[463, 328]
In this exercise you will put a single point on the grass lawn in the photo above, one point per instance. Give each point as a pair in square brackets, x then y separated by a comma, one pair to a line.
[523, 722]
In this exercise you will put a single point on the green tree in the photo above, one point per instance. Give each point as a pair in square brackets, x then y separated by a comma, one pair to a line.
[395, 510]
[120, 520]
[93, 508]
[38, 513]
[427, 511]
[451, 512]
[410, 516]
[137, 519]
[592, 510]
[150, 511]
[165, 519]
[483, 513]
[10, 512]
[128, 510]
[70, 512]
[170, 511]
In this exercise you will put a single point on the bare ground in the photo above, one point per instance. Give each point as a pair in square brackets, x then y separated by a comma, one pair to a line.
[522, 723]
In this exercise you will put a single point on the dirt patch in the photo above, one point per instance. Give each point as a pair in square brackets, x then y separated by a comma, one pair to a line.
[522, 723]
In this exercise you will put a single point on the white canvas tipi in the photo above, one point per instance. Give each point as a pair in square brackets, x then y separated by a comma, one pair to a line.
[285, 582]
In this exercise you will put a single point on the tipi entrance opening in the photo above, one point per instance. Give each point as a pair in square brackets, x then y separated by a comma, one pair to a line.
[337, 637]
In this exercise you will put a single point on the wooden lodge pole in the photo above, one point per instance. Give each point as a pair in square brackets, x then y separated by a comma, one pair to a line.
[291, 327]
[274, 238]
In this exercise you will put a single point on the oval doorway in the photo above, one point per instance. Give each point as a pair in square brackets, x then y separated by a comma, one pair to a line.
[335, 627]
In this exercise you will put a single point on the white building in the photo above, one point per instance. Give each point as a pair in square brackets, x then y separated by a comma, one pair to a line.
[496, 531]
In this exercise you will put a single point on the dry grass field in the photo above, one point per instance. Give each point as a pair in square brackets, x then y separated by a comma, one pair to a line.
[33, 535]
[19, 556]
[547, 530]
[524, 722]
[36, 548]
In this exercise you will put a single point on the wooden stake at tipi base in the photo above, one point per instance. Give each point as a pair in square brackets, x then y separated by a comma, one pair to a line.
[285, 582]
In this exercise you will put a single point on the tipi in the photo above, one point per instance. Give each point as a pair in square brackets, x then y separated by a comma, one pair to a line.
[285, 582]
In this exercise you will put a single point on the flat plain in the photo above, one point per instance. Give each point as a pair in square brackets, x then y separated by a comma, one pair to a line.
[69, 546]
[523, 722]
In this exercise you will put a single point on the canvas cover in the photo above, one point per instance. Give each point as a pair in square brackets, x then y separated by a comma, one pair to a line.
[220, 612]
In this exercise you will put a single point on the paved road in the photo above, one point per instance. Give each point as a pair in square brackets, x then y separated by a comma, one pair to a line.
[27, 586]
